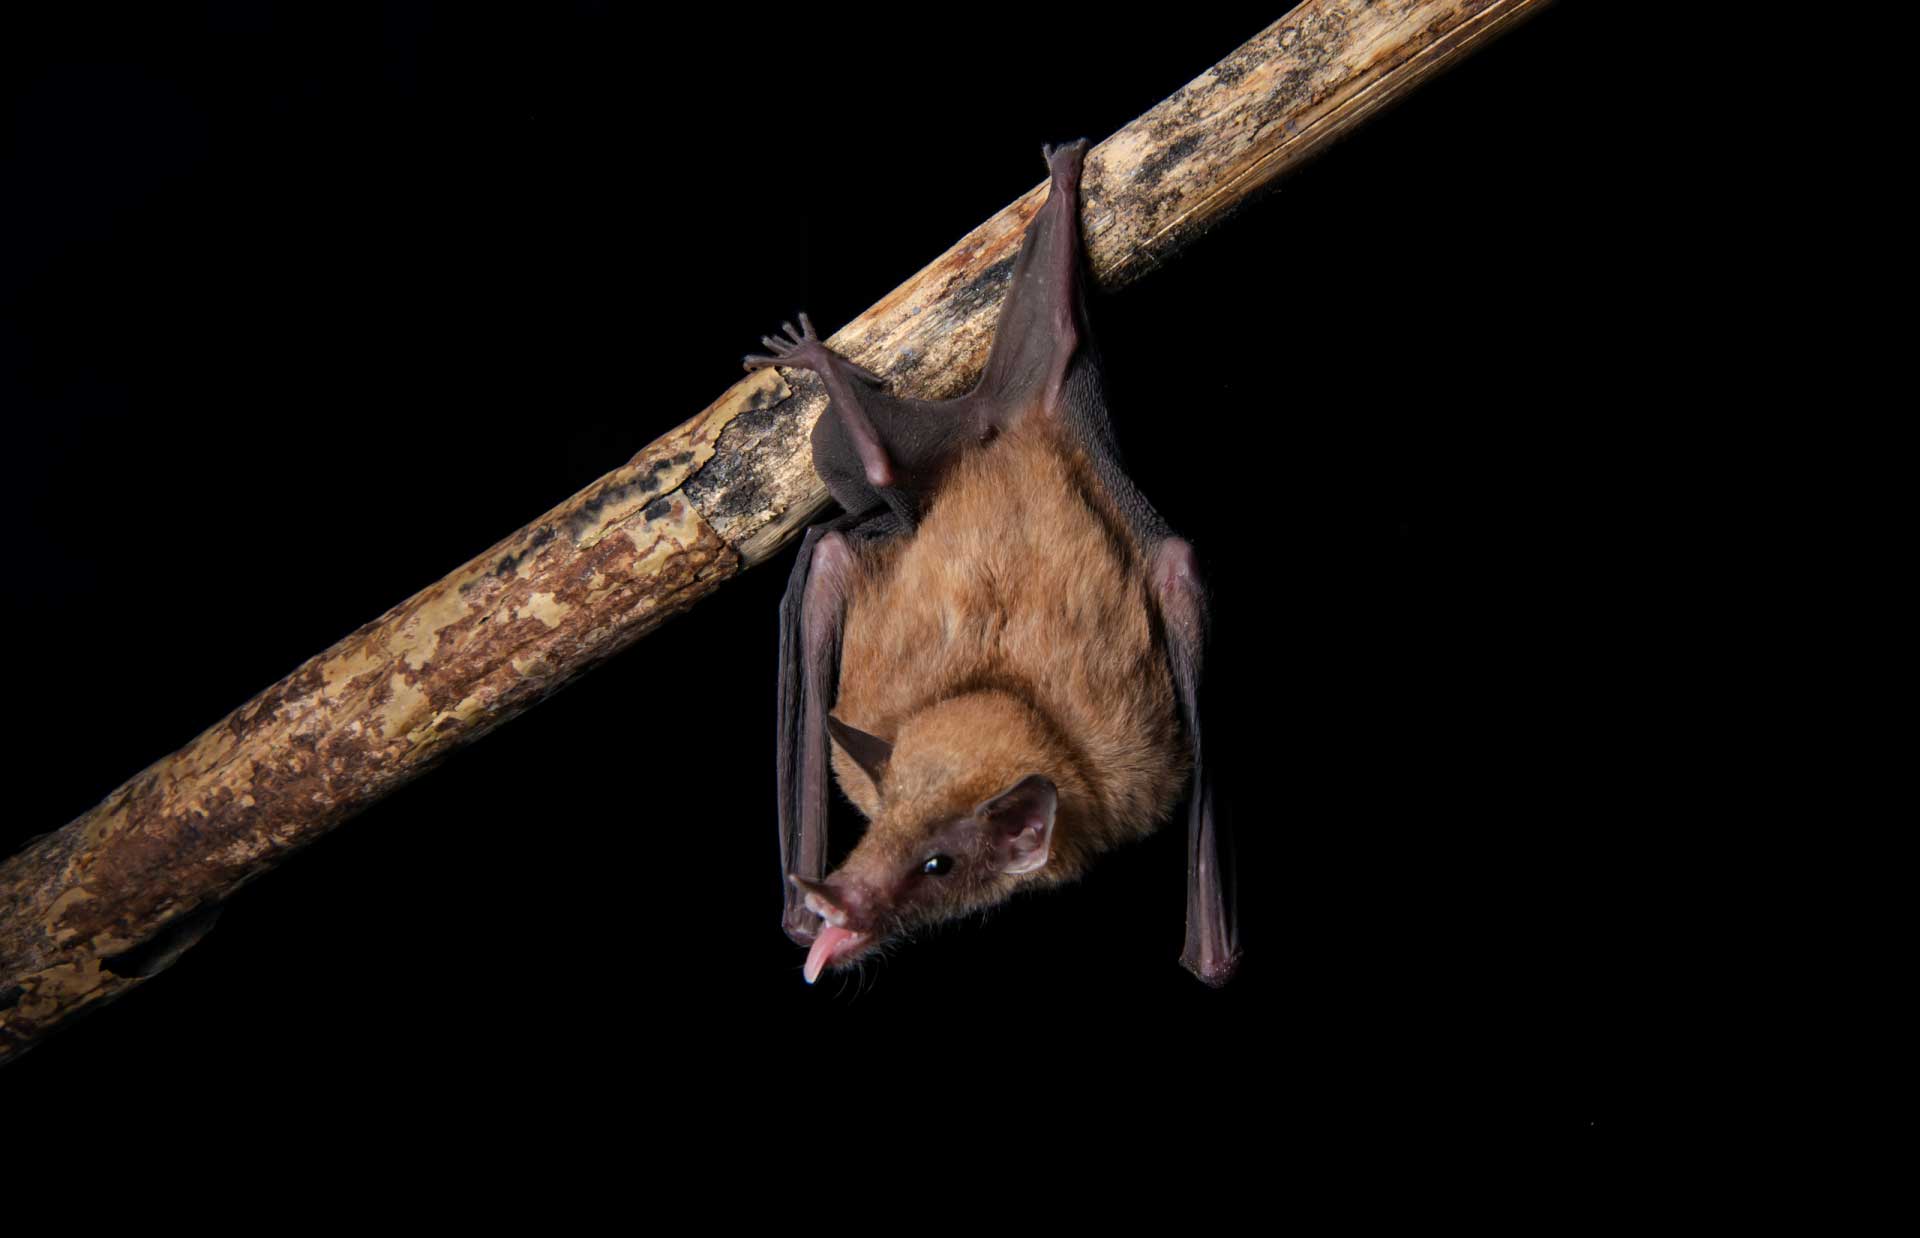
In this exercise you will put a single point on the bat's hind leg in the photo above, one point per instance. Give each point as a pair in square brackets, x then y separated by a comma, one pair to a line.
[875, 448]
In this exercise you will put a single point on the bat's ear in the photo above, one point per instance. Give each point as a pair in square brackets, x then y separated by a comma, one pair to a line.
[869, 752]
[1021, 821]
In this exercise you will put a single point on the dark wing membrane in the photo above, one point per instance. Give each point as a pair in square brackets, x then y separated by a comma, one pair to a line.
[1212, 950]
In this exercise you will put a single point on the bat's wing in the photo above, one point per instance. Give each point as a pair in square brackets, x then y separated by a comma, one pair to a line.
[878, 455]
[811, 614]
[1042, 359]
[1212, 949]
[1044, 362]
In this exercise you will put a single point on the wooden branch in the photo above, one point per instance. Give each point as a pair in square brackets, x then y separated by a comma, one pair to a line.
[92, 910]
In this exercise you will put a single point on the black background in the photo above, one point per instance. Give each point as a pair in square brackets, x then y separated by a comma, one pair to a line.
[304, 309]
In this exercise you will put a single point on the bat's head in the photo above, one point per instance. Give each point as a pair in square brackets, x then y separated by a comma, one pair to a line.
[967, 814]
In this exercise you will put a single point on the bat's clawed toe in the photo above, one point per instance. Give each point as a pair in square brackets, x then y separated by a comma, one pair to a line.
[797, 348]
[1072, 152]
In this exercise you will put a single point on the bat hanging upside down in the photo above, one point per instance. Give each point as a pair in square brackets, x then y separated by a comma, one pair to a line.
[1007, 634]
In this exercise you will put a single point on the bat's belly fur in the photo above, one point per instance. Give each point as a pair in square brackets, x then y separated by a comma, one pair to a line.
[1014, 633]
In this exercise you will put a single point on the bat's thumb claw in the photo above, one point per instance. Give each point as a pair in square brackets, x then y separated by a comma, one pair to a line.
[799, 923]
[1212, 971]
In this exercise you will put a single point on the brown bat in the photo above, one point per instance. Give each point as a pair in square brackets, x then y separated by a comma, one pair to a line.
[1015, 632]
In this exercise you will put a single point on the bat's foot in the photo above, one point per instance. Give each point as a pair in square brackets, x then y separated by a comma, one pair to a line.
[1064, 163]
[802, 350]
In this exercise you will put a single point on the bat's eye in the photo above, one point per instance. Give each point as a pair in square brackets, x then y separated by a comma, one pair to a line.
[937, 866]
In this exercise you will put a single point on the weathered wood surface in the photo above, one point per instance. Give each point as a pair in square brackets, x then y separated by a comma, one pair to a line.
[94, 909]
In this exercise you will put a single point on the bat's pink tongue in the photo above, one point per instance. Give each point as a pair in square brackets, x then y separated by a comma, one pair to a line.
[825, 946]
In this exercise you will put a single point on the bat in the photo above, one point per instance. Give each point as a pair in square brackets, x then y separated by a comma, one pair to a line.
[997, 646]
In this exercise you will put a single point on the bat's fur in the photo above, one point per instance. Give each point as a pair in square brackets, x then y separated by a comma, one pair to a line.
[1013, 634]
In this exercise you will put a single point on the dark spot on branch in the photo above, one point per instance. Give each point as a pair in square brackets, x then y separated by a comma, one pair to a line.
[9, 998]
[658, 509]
[999, 273]
[1157, 165]
[510, 563]
[733, 482]
[640, 487]
[980, 294]
[1292, 84]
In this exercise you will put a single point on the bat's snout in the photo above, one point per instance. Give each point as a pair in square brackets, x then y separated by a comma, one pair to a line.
[827, 910]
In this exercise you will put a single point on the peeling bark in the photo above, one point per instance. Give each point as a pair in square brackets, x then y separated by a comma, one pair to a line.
[96, 908]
